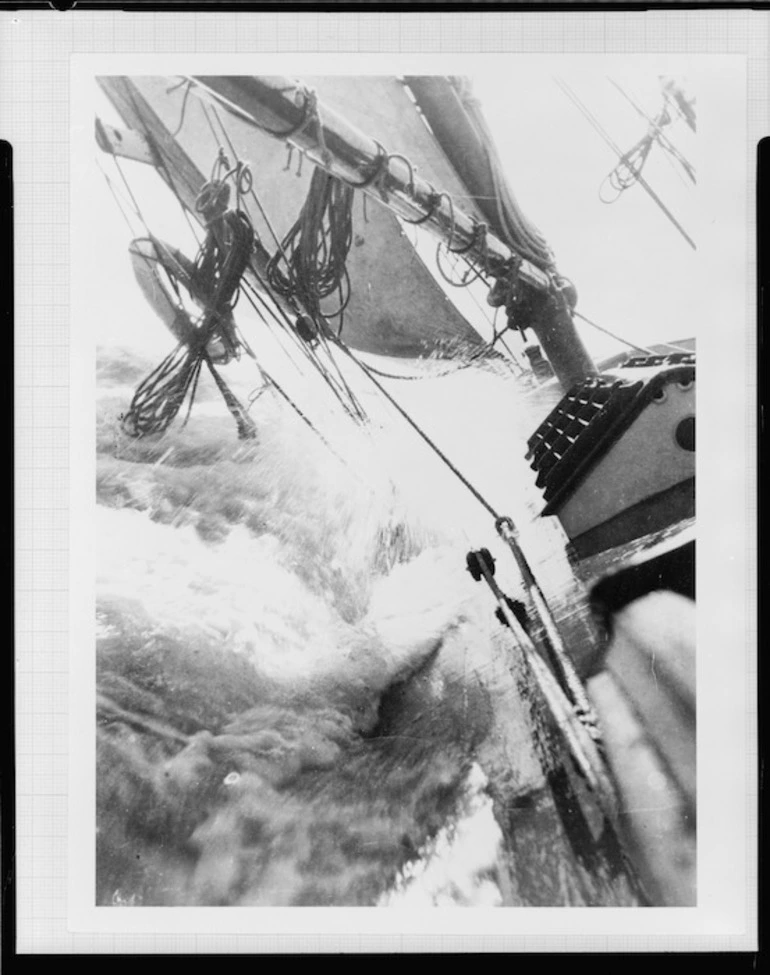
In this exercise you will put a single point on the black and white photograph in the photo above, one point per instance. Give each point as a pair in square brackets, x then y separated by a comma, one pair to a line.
[375, 580]
[395, 590]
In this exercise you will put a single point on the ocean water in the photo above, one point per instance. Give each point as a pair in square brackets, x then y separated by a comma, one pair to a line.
[303, 698]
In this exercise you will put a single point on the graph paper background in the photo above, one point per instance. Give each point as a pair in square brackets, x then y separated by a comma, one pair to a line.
[36, 49]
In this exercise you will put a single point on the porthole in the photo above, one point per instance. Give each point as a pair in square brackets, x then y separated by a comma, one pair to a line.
[685, 433]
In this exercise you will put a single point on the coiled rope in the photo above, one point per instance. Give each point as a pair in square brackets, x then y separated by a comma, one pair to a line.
[275, 308]
[310, 264]
[218, 269]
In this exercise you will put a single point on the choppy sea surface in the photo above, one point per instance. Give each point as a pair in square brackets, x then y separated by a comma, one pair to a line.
[303, 698]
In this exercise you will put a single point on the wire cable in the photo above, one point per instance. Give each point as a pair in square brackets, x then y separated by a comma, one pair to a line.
[642, 182]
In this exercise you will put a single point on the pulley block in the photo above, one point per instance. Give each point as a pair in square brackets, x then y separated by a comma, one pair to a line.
[475, 560]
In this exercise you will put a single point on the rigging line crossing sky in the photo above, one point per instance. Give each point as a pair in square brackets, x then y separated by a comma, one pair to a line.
[641, 180]
[663, 140]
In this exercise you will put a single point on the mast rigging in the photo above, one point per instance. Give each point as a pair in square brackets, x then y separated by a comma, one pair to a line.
[390, 178]
[639, 178]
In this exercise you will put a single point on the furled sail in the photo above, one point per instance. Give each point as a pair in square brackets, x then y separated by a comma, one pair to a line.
[456, 119]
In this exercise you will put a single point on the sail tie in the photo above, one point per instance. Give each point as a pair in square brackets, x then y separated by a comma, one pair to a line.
[378, 170]
[410, 187]
[434, 201]
[479, 234]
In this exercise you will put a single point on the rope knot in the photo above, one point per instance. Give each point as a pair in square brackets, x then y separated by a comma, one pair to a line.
[479, 232]
[377, 172]
[312, 115]
[213, 200]
[433, 200]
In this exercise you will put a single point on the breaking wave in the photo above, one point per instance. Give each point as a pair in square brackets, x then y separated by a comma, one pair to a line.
[302, 696]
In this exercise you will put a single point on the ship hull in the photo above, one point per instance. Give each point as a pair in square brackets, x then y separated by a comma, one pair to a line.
[616, 457]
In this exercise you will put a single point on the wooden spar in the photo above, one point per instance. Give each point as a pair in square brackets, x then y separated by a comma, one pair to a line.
[283, 109]
[417, 320]
[172, 162]
[277, 106]
[470, 154]
[456, 132]
[176, 168]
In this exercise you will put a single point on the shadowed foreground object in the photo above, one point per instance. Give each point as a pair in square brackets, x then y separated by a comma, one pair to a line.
[645, 697]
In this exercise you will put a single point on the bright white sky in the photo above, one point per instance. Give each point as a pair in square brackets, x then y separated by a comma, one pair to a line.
[635, 274]
[633, 271]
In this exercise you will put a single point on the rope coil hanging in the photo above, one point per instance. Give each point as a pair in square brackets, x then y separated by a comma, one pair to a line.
[287, 313]
[316, 264]
[162, 394]
[214, 284]
[309, 266]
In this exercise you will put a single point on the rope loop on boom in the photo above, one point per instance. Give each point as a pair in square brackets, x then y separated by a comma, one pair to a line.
[434, 199]
[377, 172]
[306, 99]
[379, 169]
[479, 232]
[410, 166]
[475, 270]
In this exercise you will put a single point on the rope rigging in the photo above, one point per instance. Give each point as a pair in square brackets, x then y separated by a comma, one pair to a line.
[315, 250]
[658, 124]
[475, 270]
[308, 266]
[317, 335]
[207, 333]
[565, 694]
[595, 124]
[160, 397]
[521, 235]
[213, 283]
[629, 169]
[313, 257]
[308, 269]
